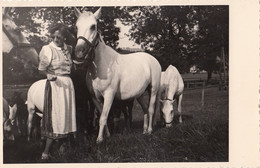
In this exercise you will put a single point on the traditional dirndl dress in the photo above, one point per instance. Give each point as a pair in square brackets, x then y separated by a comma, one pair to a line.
[59, 114]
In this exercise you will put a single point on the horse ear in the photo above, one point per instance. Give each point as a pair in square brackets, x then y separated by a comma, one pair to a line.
[77, 12]
[97, 14]
[15, 107]
[6, 10]
[12, 10]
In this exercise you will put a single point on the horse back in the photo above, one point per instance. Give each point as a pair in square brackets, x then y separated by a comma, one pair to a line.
[35, 95]
[139, 63]
[136, 72]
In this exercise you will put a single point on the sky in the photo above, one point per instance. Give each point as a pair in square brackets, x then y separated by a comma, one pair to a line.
[123, 39]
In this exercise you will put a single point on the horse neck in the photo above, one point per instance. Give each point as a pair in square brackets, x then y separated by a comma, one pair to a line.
[104, 56]
[7, 47]
[171, 88]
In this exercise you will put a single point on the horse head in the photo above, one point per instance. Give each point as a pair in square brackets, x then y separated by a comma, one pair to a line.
[9, 113]
[15, 42]
[87, 34]
[167, 111]
[12, 113]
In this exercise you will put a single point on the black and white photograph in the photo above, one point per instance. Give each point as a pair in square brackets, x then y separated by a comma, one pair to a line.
[117, 84]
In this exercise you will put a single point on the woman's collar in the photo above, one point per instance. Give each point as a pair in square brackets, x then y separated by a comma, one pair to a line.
[58, 48]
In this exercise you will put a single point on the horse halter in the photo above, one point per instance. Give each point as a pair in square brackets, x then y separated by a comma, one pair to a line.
[168, 99]
[168, 122]
[16, 44]
[92, 46]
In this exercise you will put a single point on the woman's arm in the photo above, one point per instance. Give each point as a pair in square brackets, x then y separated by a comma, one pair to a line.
[50, 77]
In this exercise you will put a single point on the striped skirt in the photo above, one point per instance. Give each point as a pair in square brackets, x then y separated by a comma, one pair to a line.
[59, 112]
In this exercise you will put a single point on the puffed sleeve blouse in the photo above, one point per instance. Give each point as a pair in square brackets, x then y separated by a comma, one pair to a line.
[55, 60]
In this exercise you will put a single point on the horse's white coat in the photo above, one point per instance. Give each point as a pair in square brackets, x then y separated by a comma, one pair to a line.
[118, 76]
[27, 53]
[172, 87]
[35, 98]
[7, 44]
[9, 116]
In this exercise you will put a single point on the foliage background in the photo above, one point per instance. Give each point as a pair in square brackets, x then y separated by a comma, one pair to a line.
[179, 35]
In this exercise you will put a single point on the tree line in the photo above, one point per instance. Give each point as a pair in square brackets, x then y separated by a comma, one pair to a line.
[179, 35]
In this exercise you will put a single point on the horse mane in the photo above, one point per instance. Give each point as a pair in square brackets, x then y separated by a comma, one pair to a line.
[6, 17]
[86, 13]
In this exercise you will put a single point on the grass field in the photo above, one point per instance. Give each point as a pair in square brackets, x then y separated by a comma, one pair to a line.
[202, 137]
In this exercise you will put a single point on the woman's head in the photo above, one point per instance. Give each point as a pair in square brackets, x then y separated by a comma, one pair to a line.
[58, 33]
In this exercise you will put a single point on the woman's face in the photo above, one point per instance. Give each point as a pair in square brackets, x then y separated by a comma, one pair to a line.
[58, 38]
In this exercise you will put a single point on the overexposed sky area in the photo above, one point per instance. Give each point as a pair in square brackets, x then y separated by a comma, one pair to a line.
[123, 41]
[123, 38]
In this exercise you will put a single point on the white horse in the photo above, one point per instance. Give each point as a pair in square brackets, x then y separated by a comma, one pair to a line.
[9, 116]
[172, 87]
[35, 98]
[15, 42]
[113, 75]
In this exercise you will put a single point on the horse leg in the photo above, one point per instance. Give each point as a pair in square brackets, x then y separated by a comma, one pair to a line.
[116, 110]
[31, 111]
[124, 109]
[129, 109]
[92, 111]
[96, 119]
[179, 100]
[151, 110]
[141, 101]
[99, 112]
[108, 100]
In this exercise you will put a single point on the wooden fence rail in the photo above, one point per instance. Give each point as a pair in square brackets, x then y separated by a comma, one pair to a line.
[193, 83]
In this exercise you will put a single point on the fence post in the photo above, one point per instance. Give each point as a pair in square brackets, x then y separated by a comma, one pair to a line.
[202, 93]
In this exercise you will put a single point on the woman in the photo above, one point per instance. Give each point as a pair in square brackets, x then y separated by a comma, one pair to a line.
[59, 114]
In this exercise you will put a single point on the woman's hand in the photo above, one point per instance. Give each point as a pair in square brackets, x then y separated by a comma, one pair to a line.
[51, 77]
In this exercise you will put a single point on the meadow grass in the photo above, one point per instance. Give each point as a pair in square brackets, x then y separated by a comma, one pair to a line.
[202, 137]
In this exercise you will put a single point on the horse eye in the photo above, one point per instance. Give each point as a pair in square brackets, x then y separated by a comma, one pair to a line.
[93, 27]
[17, 29]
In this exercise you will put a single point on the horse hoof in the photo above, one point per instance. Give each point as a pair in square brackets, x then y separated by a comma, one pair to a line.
[150, 132]
[99, 141]
[145, 131]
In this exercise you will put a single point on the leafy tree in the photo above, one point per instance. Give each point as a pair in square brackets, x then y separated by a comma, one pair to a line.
[34, 22]
[181, 35]
[163, 31]
[177, 35]
[212, 36]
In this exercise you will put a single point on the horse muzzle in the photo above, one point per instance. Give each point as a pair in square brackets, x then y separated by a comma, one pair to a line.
[80, 52]
[168, 125]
